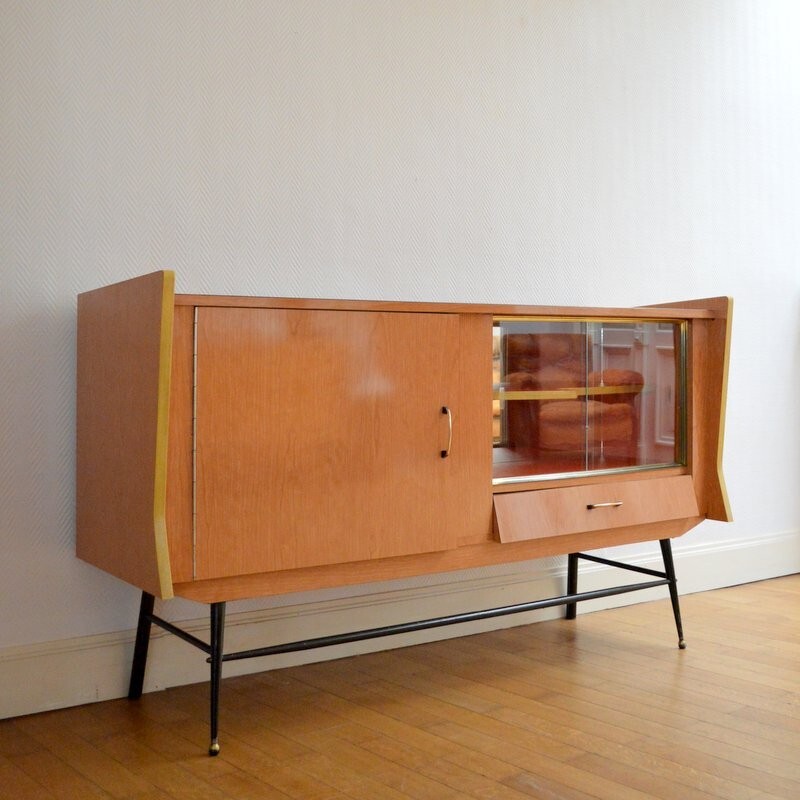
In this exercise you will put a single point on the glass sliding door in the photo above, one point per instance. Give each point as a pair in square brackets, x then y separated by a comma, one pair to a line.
[575, 396]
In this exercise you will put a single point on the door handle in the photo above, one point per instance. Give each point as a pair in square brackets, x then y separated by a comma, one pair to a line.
[449, 413]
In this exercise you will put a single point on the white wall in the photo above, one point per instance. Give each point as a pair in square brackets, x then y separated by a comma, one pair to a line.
[599, 153]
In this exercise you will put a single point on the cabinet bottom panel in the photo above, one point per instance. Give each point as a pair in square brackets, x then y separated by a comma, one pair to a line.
[387, 569]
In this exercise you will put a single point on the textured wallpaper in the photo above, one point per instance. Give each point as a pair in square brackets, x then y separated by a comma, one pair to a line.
[551, 151]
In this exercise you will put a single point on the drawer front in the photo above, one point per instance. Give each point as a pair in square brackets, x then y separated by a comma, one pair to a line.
[521, 516]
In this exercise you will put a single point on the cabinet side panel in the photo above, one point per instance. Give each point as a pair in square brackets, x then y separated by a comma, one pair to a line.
[709, 383]
[710, 357]
[124, 351]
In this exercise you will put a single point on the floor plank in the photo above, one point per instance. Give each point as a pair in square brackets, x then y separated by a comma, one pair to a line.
[605, 706]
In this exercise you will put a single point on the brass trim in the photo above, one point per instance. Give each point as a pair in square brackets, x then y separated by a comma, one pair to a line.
[728, 514]
[162, 434]
[572, 393]
[587, 320]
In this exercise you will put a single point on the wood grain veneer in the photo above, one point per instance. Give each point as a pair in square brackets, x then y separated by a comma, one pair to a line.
[554, 512]
[319, 438]
[180, 475]
[314, 458]
[664, 311]
[709, 357]
[488, 553]
[123, 383]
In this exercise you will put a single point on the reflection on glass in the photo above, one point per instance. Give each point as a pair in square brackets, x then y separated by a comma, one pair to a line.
[572, 396]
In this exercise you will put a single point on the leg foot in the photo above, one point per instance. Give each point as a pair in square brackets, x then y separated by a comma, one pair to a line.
[669, 569]
[213, 748]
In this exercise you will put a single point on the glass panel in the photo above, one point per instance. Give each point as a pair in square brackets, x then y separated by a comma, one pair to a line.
[573, 396]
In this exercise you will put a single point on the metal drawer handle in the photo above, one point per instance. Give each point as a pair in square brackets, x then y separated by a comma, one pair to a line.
[446, 410]
[613, 504]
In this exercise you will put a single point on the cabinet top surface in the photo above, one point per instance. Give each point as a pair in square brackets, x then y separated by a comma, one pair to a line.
[501, 310]
[705, 308]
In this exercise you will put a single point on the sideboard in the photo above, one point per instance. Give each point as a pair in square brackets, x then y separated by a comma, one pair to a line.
[238, 447]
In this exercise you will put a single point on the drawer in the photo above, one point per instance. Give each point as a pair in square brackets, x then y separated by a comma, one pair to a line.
[537, 514]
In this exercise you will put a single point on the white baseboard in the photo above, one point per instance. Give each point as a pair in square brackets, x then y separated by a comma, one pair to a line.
[92, 668]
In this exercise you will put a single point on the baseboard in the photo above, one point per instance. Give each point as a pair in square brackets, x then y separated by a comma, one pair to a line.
[92, 668]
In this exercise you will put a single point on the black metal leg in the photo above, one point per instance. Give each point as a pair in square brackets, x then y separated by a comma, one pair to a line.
[141, 646]
[216, 644]
[669, 569]
[216, 656]
[572, 584]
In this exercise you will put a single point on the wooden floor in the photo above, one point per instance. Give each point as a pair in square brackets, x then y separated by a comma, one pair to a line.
[602, 707]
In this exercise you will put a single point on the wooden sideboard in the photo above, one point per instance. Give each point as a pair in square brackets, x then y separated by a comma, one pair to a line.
[236, 447]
